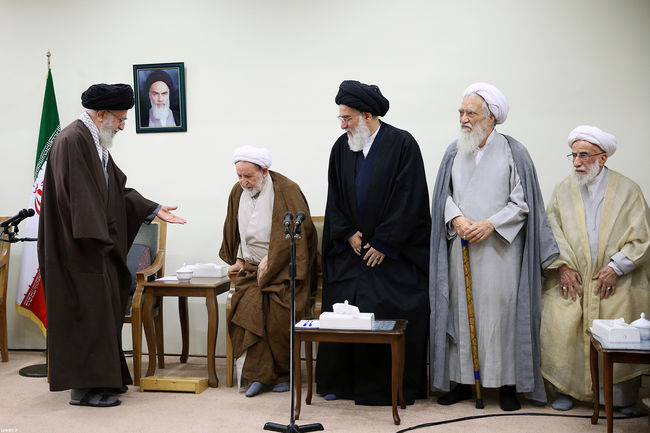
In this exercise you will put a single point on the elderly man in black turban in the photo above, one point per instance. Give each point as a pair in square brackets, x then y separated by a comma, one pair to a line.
[375, 248]
[159, 86]
[88, 221]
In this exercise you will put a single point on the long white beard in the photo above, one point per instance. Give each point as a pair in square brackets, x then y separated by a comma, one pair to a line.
[106, 134]
[160, 113]
[468, 142]
[585, 178]
[358, 137]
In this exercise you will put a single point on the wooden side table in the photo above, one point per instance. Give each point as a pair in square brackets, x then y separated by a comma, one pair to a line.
[379, 335]
[208, 288]
[632, 354]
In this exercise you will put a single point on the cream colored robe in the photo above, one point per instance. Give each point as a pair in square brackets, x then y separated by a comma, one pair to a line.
[625, 227]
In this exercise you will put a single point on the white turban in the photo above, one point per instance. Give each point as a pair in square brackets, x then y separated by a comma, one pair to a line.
[593, 135]
[256, 155]
[496, 101]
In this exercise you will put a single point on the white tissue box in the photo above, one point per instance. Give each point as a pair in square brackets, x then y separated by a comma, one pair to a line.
[330, 320]
[616, 331]
[208, 270]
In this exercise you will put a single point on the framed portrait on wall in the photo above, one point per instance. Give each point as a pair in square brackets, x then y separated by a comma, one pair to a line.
[160, 97]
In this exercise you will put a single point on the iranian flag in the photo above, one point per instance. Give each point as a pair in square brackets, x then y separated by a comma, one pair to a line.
[30, 299]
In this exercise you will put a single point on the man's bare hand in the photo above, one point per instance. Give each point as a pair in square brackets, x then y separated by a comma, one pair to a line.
[355, 242]
[237, 267]
[478, 231]
[373, 257]
[606, 285]
[262, 268]
[570, 282]
[461, 224]
[165, 215]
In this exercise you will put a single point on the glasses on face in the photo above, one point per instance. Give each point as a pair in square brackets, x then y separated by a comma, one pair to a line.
[582, 156]
[347, 118]
[122, 120]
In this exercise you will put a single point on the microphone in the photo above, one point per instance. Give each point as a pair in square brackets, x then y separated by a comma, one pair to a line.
[300, 217]
[287, 224]
[14, 220]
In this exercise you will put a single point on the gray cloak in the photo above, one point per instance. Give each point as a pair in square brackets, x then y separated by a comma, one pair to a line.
[540, 249]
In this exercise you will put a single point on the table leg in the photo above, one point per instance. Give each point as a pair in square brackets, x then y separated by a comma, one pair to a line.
[213, 320]
[593, 363]
[309, 358]
[185, 330]
[309, 363]
[402, 359]
[395, 352]
[147, 318]
[136, 332]
[608, 366]
[297, 373]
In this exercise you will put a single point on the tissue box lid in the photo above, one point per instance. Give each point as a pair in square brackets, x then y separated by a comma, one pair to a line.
[331, 320]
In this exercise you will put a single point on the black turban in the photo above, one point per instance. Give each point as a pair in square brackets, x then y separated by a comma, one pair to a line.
[108, 97]
[159, 75]
[363, 97]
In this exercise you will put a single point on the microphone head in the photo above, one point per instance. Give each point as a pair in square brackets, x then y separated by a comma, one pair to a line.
[288, 216]
[301, 215]
[30, 212]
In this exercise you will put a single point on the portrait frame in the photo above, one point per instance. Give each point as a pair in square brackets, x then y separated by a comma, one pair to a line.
[158, 77]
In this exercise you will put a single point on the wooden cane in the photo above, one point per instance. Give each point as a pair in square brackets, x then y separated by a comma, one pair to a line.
[472, 325]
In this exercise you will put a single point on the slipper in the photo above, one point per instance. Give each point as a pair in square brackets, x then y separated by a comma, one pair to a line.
[95, 398]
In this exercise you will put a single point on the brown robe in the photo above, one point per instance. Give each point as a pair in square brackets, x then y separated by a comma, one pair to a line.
[85, 231]
[259, 320]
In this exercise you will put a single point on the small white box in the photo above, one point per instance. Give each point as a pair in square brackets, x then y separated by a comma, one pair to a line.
[210, 270]
[616, 331]
[330, 320]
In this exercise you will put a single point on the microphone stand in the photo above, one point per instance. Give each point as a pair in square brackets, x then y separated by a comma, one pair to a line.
[292, 427]
[9, 236]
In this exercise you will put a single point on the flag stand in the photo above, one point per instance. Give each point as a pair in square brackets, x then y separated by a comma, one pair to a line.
[36, 370]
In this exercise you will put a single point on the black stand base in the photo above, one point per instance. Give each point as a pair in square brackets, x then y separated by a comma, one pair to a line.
[292, 428]
[36, 370]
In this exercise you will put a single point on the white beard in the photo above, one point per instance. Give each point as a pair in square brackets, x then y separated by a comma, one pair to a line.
[256, 189]
[358, 137]
[468, 142]
[106, 134]
[585, 178]
[160, 113]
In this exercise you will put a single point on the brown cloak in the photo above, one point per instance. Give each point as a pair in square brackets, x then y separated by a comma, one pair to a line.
[260, 317]
[85, 232]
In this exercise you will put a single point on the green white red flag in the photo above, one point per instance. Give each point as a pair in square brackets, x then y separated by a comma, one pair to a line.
[30, 298]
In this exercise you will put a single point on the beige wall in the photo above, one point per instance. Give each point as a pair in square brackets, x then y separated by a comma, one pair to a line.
[266, 72]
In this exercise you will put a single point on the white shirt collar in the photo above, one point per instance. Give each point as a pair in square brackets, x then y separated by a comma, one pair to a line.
[596, 183]
[371, 140]
[481, 150]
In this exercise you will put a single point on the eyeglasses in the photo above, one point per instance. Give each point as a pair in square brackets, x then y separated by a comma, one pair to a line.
[121, 119]
[344, 119]
[582, 156]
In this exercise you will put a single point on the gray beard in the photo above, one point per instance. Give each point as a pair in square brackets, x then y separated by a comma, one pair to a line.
[584, 179]
[358, 137]
[105, 136]
[469, 142]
